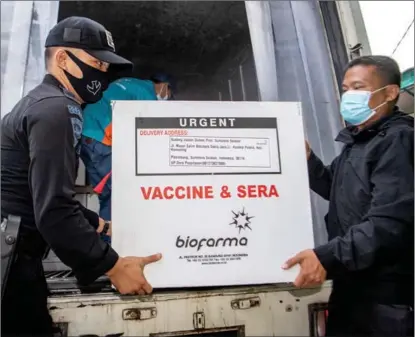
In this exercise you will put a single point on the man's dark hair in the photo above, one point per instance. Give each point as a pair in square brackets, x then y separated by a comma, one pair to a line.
[48, 55]
[387, 67]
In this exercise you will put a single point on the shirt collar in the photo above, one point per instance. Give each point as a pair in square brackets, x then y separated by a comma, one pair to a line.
[351, 134]
[52, 80]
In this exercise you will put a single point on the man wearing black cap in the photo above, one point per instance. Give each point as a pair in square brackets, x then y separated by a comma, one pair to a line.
[39, 155]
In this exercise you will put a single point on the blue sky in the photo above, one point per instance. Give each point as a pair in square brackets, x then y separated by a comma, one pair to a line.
[386, 23]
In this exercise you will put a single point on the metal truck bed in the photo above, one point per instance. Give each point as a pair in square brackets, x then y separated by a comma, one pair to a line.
[269, 310]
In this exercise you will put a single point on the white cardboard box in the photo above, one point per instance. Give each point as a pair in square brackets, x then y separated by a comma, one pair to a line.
[219, 188]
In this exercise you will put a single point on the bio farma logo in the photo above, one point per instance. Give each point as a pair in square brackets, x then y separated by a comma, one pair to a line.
[241, 221]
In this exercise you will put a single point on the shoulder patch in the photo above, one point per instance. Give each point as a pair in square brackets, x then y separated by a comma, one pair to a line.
[77, 121]
[77, 130]
[75, 110]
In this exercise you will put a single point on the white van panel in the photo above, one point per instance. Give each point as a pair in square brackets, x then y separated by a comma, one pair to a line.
[275, 310]
[354, 31]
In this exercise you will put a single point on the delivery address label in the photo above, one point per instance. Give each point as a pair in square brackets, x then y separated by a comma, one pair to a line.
[207, 146]
[219, 151]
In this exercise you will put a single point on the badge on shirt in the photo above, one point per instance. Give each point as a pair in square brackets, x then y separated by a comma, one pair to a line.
[77, 123]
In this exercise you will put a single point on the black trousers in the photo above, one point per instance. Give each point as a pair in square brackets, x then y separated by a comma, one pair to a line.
[24, 309]
[369, 319]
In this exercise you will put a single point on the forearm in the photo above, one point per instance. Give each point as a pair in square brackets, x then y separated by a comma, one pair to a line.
[320, 177]
[91, 216]
[78, 245]
[62, 224]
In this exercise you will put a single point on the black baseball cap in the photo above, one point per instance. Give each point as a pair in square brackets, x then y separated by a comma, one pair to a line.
[88, 35]
[164, 78]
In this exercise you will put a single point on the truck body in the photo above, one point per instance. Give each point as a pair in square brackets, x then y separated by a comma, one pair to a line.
[269, 310]
[223, 51]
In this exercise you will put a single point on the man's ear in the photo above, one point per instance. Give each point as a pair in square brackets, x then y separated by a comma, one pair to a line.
[392, 92]
[61, 58]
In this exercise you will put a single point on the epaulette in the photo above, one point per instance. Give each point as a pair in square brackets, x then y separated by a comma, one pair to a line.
[69, 94]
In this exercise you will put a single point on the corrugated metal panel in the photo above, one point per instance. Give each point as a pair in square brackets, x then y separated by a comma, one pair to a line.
[262, 39]
[335, 38]
[304, 73]
[7, 8]
[44, 16]
[15, 31]
[354, 30]
[24, 26]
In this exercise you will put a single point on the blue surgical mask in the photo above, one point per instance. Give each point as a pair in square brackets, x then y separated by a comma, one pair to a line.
[355, 108]
[165, 98]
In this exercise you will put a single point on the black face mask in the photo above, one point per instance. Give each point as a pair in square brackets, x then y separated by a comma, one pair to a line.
[93, 83]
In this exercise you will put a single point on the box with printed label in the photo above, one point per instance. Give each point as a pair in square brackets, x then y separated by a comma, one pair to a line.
[219, 188]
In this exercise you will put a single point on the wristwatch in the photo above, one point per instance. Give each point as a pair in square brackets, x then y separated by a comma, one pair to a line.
[106, 227]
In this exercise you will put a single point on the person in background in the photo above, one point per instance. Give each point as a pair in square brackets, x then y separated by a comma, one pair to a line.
[370, 222]
[164, 85]
[97, 130]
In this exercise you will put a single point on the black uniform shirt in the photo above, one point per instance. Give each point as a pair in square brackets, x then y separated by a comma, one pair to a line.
[40, 140]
